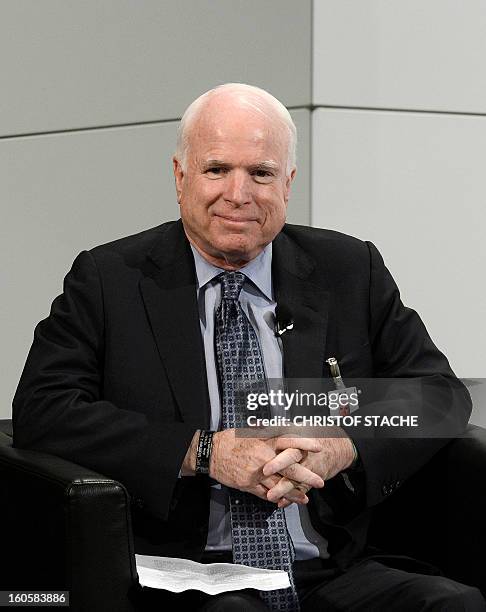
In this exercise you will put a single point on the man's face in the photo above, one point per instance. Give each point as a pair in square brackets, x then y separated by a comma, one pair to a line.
[233, 191]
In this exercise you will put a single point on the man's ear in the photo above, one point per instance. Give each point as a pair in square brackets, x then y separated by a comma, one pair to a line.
[179, 177]
[288, 183]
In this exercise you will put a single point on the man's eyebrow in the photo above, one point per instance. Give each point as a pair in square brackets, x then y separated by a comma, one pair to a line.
[265, 165]
[210, 163]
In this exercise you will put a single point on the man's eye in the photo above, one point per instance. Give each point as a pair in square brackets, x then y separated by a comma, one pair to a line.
[263, 176]
[216, 170]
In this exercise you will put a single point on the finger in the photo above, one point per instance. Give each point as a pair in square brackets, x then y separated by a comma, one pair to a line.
[306, 444]
[260, 491]
[295, 471]
[303, 475]
[282, 461]
[299, 486]
[286, 489]
[292, 493]
[283, 503]
[270, 481]
[296, 495]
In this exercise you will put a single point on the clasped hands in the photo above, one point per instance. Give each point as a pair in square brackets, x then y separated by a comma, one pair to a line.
[280, 469]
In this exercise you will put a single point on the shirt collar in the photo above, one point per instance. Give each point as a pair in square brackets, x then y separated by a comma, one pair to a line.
[258, 270]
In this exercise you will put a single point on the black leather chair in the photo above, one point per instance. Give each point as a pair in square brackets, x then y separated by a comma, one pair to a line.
[66, 527]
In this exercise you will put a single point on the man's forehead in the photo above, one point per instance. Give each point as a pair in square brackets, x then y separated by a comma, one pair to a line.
[218, 140]
[239, 140]
[229, 129]
[232, 153]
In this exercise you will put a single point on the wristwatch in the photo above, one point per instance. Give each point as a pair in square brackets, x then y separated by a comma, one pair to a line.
[203, 452]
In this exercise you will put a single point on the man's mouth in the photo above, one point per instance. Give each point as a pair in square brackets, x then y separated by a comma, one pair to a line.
[232, 219]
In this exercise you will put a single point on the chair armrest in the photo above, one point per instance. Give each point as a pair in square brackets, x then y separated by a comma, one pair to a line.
[466, 507]
[6, 427]
[438, 514]
[69, 528]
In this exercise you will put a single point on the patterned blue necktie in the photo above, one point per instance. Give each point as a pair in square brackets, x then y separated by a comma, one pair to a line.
[258, 527]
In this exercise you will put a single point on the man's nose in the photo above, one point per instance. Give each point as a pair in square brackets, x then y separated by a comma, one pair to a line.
[237, 188]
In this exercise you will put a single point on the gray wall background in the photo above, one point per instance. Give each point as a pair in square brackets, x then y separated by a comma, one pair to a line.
[399, 149]
[388, 97]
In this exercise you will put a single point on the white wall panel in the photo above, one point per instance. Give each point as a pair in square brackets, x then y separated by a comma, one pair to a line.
[414, 184]
[63, 193]
[68, 64]
[299, 203]
[413, 54]
[477, 390]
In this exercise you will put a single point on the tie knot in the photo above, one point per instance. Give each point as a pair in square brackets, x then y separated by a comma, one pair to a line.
[231, 284]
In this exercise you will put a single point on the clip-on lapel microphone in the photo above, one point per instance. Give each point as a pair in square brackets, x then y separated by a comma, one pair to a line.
[283, 320]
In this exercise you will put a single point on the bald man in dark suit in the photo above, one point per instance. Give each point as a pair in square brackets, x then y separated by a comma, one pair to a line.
[120, 377]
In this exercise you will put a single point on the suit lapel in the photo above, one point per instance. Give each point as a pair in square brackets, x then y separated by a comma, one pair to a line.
[304, 345]
[169, 295]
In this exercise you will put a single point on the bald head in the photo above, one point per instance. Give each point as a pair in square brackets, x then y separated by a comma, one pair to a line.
[233, 102]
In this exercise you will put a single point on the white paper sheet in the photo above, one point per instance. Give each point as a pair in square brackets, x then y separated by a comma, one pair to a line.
[179, 575]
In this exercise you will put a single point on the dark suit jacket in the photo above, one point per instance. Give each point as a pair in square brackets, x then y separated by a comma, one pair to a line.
[115, 379]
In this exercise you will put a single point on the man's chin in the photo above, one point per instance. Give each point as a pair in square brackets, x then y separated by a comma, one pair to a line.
[237, 252]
